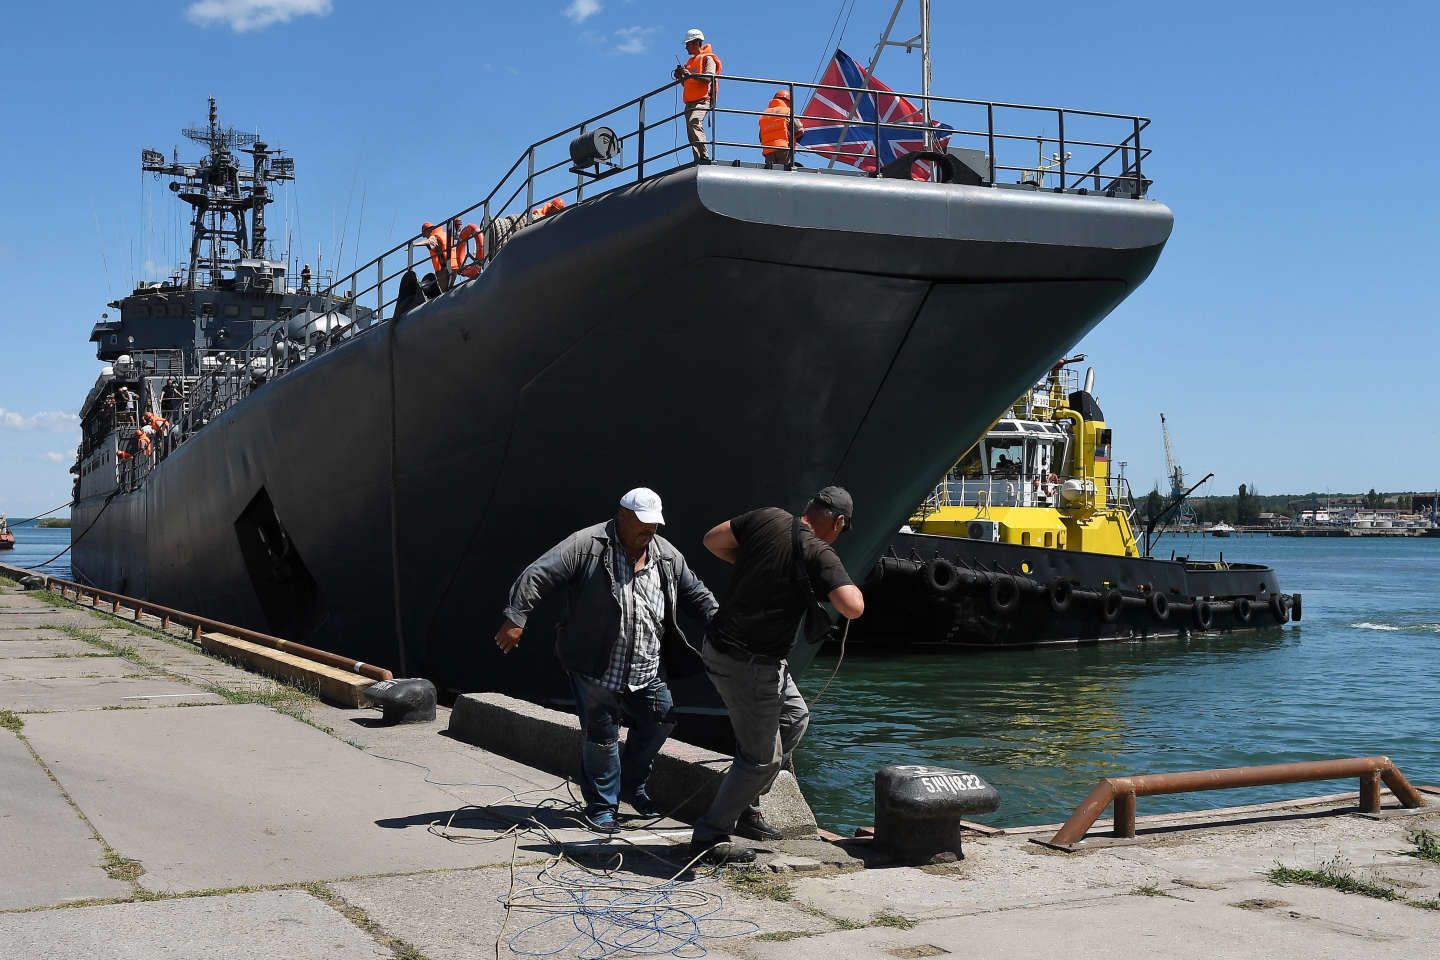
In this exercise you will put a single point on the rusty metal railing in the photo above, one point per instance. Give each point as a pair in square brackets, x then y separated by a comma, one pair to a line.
[1122, 791]
[69, 589]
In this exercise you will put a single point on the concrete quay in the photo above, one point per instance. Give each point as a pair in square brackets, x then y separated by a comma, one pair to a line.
[156, 802]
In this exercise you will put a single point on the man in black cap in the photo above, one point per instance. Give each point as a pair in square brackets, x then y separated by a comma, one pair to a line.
[783, 565]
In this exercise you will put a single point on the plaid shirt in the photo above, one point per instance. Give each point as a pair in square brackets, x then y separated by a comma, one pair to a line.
[635, 658]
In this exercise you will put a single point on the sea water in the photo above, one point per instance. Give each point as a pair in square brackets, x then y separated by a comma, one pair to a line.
[35, 545]
[1360, 675]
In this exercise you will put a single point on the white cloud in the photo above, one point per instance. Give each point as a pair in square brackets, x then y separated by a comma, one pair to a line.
[54, 457]
[633, 39]
[54, 420]
[581, 10]
[242, 16]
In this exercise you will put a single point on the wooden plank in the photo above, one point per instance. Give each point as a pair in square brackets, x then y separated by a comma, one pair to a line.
[332, 684]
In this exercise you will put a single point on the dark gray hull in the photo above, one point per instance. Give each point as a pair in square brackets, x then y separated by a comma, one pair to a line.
[730, 337]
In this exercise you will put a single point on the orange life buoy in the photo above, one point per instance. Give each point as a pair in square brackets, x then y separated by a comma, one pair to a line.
[465, 255]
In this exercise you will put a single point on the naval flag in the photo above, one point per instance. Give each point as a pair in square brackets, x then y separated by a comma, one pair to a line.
[841, 123]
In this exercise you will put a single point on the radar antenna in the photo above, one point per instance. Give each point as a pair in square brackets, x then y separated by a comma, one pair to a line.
[221, 193]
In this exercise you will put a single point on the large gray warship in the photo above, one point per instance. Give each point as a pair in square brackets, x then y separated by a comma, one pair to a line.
[364, 463]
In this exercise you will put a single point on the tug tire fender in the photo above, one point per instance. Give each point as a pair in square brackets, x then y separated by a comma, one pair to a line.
[1204, 614]
[1279, 607]
[1112, 601]
[1244, 609]
[1295, 607]
[1004, 594]
[941, 577]
[1159, 605]
[1061, 593]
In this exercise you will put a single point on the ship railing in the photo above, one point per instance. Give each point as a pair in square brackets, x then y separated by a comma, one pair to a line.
[1019, 490]
[1058, 149]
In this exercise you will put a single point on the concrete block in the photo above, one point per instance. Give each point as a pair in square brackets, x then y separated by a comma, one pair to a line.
[337, 686]
[684, 780]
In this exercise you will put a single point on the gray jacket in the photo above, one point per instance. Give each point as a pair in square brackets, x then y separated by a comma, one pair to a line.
[590, 622]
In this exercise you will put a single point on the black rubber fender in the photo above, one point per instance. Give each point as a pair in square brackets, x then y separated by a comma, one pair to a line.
[1061, 593]
[1203, 613]
[1295, 607]
[1244, 609]
[1279, 607]
[1112, 601]
[1004, 594]
[1159, 605]
[941, 577]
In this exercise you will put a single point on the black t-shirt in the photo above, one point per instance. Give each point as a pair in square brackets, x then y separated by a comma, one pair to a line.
[762, 607]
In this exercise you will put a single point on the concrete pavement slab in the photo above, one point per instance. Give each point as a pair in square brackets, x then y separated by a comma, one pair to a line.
[58, 645]
[458, 915]
[239, 794]
[280, 925]
[79, 694]
[47, 854]
[59, 668]
[1287, 922]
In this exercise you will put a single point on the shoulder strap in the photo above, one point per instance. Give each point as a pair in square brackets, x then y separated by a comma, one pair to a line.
[801, 573]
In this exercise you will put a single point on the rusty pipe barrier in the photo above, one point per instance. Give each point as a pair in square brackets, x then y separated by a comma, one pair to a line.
[1122, 791]
[197, 623]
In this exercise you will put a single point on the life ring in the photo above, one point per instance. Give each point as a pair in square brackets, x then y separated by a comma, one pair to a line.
[1244, 609]
[1159, 605]
[941, 577]
[1204, 614]
[1112, 601]
[1004, 594]
[1061, 592]
[1279, 607]
[465, 255]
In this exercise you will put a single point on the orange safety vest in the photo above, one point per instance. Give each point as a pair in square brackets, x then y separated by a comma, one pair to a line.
[775, 124]
[458, 257]
[157, 423]
[697, 90]
[146, 447]
[554, 205]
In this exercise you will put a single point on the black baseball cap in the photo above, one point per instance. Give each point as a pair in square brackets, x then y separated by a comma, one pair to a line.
[837, 499]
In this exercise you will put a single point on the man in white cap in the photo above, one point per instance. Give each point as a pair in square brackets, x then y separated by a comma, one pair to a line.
[700, 74]
[623, 583]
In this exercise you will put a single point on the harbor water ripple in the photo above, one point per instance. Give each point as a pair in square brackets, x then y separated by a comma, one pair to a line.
[34, 545]
[1360, 675]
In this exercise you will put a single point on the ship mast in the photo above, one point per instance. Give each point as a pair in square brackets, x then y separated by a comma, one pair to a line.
[922, 40]
[221, 193]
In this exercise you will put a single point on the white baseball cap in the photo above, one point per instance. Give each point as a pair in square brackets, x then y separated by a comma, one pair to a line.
[645, 504]
[694, 34]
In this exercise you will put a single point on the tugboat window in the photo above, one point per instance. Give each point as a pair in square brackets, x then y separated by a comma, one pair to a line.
[1007, 457]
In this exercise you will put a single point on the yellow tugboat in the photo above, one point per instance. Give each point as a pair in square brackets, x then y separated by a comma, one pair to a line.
[1030, 540]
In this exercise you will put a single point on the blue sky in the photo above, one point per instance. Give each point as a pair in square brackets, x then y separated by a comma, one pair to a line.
[1287, 333]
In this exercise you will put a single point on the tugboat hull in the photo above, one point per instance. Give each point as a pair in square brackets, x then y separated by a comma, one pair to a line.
[998, 595]
[732, 338]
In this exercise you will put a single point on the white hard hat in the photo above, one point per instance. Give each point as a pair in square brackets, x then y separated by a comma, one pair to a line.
[694, 33]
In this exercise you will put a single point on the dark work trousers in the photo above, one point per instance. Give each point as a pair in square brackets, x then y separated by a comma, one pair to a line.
[606, 772]
[769, 718]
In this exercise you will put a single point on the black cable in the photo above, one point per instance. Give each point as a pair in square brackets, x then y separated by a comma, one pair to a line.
[74, 540]
[42, 516]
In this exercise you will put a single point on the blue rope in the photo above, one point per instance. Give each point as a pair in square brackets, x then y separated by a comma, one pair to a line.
[601, 916]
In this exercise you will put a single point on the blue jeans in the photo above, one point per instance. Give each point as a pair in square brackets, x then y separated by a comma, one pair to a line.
[606, 772]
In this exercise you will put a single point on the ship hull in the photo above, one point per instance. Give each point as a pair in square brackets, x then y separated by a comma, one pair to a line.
[732, 338]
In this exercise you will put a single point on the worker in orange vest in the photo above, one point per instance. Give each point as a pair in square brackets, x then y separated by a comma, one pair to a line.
[700, 73]
[776, 126]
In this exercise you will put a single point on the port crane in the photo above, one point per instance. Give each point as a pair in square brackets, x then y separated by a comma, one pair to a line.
[1184, 516]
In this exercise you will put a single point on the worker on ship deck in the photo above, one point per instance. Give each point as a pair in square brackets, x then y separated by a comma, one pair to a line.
[780, 130]
[623, 584]
[700, 75]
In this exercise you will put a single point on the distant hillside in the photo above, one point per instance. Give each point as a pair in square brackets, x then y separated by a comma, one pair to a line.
[54, 522]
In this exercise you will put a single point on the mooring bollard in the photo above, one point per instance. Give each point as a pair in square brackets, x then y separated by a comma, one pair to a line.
[918, 811]
[403, 701]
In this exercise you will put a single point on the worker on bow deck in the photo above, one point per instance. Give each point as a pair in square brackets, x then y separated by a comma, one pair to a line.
[700, 73]
[780, 131]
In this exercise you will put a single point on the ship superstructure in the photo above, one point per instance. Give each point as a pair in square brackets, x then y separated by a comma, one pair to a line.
[364, 463]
